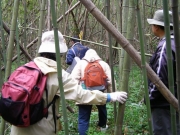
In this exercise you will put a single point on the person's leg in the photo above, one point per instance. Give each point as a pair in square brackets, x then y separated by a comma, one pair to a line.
[102, 112]
[178, 124]
[161, 121]
[83, 118]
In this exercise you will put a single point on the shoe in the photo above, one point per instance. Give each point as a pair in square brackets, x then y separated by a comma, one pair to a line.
[103, 129]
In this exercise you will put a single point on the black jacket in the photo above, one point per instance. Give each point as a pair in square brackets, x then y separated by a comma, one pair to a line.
[158, 63]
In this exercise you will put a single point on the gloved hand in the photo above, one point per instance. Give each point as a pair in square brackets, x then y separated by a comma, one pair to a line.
[118, 96]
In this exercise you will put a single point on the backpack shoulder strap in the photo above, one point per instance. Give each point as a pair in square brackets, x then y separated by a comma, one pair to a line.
[73, 52]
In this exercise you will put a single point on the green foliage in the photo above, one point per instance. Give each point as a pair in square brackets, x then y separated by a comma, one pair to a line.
[135, 117]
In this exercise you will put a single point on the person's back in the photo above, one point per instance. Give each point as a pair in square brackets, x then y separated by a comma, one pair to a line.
[48, 66]
[85, 110]
[90, 56]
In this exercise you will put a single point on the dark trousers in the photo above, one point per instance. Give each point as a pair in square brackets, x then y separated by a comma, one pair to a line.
[84, 117]
[161, 120]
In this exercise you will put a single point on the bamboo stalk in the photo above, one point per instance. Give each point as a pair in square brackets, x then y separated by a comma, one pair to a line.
[17, 45]
[177, 42]
[64, 19]
[124, 17]
[142, 42]
[25, 31]
[10, 50]
[126, 69]
[110, 58]
[2, 35]
[169, 63]
[130, 50]
[48, 16]
[3, 58]
[59, 66]
[41, 22]
[125, 12]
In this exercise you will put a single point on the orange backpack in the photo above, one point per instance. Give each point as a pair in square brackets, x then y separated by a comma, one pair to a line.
[94, 77]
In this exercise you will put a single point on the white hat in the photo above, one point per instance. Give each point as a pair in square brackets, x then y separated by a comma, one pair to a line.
[48, 43]
[158, 18]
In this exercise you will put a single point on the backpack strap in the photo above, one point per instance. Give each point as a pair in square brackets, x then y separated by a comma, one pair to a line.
[73, 52]
[53, 109]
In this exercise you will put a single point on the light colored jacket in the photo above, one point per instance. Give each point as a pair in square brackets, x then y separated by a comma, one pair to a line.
[72, 91]
[90, 56]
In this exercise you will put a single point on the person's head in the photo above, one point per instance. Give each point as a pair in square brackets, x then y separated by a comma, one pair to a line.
[157, 23]
[74, 40]
[47, 48]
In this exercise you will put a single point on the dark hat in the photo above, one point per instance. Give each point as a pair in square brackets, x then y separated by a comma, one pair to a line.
[75, 39]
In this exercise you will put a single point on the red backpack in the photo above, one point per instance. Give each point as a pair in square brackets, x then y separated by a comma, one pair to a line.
[94, 77]
[21, 102]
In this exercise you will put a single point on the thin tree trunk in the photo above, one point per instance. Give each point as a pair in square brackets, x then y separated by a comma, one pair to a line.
[17, 45]
[131, 51]
[10, 50]
[177, 42]
[49, 25]
[110, 54]
[169, 63]
[73, 16]
[25, 31]
[2, 37]
[126, 68]
[84, 24]
[142, 42]
[41, 22]
[125, 11]
[59, 67]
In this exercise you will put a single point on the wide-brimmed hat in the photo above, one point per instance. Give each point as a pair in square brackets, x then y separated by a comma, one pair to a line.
[158, 18]
[48, 43]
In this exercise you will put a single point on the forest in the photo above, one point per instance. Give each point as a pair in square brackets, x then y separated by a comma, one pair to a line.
[118, 30]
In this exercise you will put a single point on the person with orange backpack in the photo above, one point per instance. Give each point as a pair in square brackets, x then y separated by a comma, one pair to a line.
[92, 73]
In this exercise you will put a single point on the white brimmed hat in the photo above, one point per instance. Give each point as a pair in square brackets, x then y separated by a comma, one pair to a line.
[48, 43]
[158, 18]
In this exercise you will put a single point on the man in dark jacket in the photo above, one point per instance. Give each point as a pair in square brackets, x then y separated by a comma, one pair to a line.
[160, 108]
[75, 53]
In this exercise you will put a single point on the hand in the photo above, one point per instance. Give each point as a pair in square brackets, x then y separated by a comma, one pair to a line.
[118, 96]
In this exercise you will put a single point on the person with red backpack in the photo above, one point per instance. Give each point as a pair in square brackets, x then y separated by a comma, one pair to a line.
[92, 73]
[46, 62]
